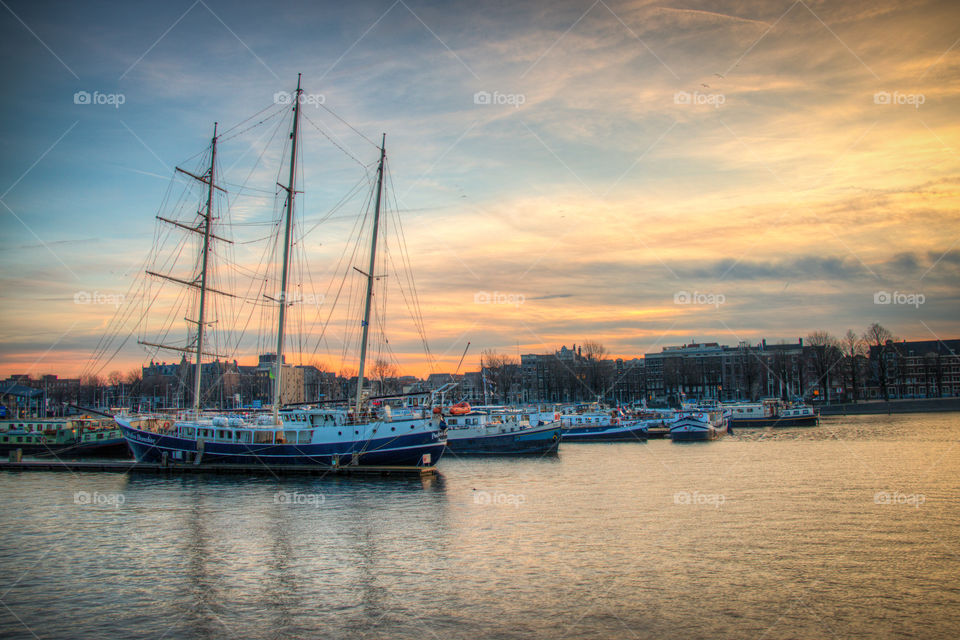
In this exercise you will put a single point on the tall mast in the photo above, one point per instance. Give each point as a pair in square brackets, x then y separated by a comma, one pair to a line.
[291, 190]
[203, 274]
[369, 274]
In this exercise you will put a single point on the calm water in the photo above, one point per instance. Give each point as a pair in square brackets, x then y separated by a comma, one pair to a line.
[847, 530]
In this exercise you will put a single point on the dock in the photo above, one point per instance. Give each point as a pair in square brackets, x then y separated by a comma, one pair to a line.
[658, 432]
[129, 466]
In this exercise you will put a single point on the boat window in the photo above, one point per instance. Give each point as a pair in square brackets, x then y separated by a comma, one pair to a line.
[263, 437]
[243, 436]
[189, 432]
[290, 437]
[305, 437]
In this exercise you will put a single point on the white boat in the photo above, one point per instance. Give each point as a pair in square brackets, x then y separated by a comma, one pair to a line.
[698, 423]
[771, 413]
[602, 426]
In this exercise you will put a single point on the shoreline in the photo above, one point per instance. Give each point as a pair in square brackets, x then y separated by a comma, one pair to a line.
[929, 405]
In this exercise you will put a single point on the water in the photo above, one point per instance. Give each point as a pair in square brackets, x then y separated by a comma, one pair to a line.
[845, 530]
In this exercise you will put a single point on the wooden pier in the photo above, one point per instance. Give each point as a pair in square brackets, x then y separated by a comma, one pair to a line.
[658, 432]
[129, 466]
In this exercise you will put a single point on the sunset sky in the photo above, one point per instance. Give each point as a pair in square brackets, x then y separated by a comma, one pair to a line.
[784, 166]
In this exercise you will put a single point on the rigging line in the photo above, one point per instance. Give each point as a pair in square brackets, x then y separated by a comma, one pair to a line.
[115, 327]
[334, 142]
[280, 108]
[356, 231]
[405, 258]
[119, 319]
[343, 201]
[256, 163]
[330, 111]
[241, 186]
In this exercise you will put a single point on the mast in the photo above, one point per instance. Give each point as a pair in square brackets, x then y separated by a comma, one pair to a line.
[291, 190]
[369, 274]
[203, 275]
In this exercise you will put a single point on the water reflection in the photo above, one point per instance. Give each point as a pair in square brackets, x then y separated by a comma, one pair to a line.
[773, 531]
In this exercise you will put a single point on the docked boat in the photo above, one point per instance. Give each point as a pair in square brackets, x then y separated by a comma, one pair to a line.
[63, 437]
[500, 432]
[601, 426]
[357, 434]
[323, 437]
[698, 424]
[772, 413]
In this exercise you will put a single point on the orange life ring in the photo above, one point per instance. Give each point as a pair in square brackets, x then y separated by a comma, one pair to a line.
[166, 425]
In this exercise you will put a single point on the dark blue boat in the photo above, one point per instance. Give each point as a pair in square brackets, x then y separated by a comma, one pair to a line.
[485, 437]
[629, 432]
[404, 446]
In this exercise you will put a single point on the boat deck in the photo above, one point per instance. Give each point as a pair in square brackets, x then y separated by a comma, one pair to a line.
[129, 466]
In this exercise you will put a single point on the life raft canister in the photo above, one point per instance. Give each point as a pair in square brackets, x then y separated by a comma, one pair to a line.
[460, 409]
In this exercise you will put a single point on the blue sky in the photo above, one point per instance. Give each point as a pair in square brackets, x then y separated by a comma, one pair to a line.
[781, 162]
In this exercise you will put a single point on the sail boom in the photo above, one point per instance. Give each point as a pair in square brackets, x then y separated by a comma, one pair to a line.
[187, 283]
[180, 349]
[200, 178]
[194, 229]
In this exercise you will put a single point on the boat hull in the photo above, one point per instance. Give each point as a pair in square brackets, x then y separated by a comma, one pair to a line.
[111, 448]
[612, 433]
[533, 441]
[400, 450]
[696, 436]
[693, 430]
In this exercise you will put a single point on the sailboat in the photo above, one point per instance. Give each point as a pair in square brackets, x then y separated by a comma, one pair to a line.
[358, 434]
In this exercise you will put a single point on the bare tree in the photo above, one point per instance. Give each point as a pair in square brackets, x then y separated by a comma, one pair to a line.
[824, 355]
[383, 369]
[592, 350]
[877, 335]
[500, 370]
[854, 349]
[880, 337]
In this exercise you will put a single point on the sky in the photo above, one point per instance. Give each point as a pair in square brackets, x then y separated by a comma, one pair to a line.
[635, 173]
